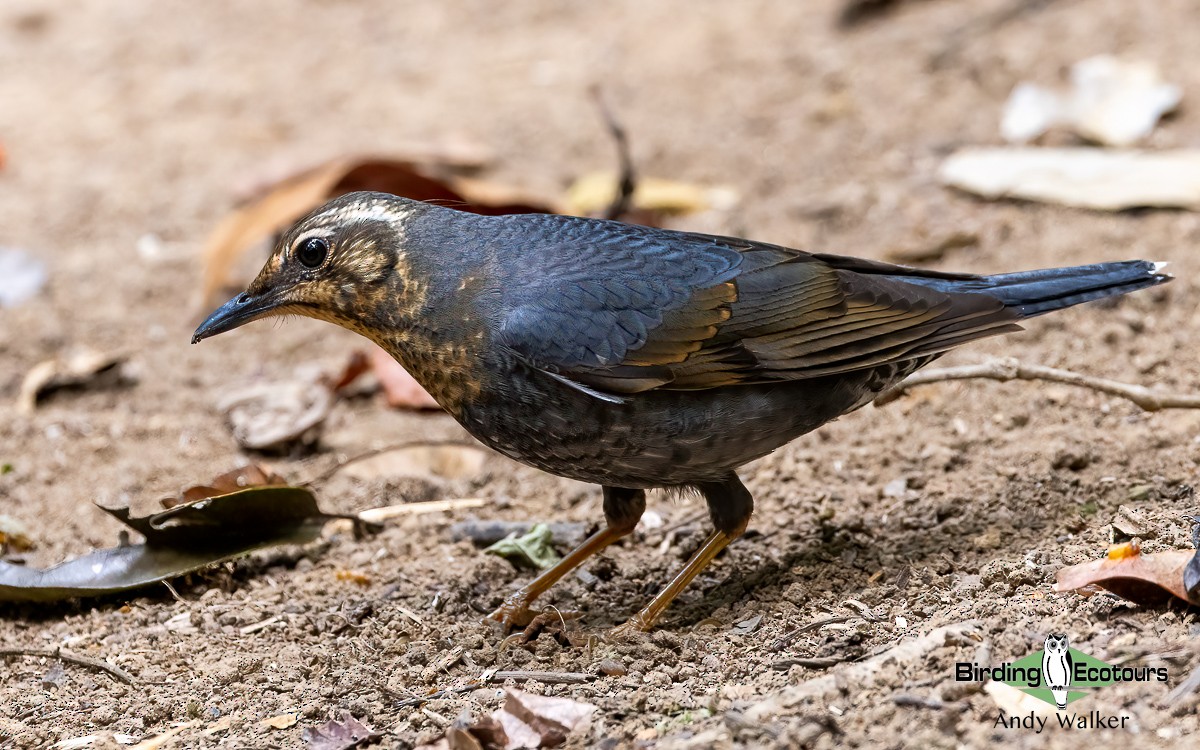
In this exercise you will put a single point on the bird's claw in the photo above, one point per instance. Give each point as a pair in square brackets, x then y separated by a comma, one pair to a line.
[630, 629]
[514, 612]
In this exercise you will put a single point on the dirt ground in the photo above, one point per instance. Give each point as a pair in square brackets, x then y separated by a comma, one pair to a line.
[138, 118]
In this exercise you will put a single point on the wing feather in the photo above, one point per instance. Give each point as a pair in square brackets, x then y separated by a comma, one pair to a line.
[620, 309]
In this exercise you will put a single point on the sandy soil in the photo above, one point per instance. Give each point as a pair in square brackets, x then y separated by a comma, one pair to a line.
[135, 118]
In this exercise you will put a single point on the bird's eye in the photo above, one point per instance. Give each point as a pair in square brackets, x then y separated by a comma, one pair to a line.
[311, 253]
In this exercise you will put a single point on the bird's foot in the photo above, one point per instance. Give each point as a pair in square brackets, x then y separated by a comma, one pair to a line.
[514, 612]
[630, 629]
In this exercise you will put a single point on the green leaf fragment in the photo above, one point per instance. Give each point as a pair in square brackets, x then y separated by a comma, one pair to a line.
[533, 550]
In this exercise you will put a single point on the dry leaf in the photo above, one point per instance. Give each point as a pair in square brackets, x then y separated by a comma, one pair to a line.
[518, 733]
[160, 741]
[1112, 101]
[286, 201]
[282, 721]
[277, 416]
[1145, 579]
[525, 721]
[177, 541]
[250, 475]
[1083, 177]
[83, 367]
[400, 388]
[441, 461]
[593, 193]
[14, 536]
[552, 719]
[335, 734]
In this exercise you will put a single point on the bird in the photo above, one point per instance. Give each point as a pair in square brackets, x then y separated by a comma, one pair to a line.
[1057, 668]
[633, 357]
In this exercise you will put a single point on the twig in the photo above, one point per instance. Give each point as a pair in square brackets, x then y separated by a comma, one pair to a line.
[933, 704]
[786, 639]
[1011, 369]
[628, 177]
[866, 673]
[819, 662]
[1184, 689]
[325, 475]
[547, 678]
[994, 21]
[379, 515]
[66, 656]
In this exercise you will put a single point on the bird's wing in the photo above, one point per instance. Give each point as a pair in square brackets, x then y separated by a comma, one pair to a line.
[615, 309]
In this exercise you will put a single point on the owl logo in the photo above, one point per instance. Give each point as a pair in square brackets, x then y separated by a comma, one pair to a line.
[1057, 667]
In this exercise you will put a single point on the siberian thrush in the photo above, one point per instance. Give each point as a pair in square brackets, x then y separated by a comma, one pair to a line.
[634, 357]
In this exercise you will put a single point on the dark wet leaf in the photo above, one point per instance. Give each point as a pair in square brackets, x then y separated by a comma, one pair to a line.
[339, 734]
[178, 541]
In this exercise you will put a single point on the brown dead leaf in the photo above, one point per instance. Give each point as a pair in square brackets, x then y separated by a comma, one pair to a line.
[339, 734]
[81, 368]
[525, 721]
[400, 388]
[551, 719]
[282, 721]
[250, 475]
[288, 200]
[1146, 579]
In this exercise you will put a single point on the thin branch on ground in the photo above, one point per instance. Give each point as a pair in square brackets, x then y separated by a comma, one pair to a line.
[866, 673]
[1005, 370]
[628, 177]
[786, 639]
[328, 473]
[987, 23]
[67, 657]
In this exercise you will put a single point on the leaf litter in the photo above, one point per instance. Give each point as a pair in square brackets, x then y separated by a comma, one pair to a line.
[80, 368]
[184, 538]
[526, 720]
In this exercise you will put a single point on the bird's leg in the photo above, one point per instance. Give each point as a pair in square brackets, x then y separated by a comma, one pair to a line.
[622, 509]
[730, 507]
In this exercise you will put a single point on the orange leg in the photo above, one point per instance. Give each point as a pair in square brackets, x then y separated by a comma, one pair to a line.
[622, 509]
[730, 506]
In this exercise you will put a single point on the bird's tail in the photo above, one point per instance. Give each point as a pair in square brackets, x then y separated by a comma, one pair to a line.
[1031, 293]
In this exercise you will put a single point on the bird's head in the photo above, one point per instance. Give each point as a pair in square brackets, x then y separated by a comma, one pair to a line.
[343, 263]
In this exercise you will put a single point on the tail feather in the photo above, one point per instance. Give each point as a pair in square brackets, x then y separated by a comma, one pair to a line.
[1031, 293]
